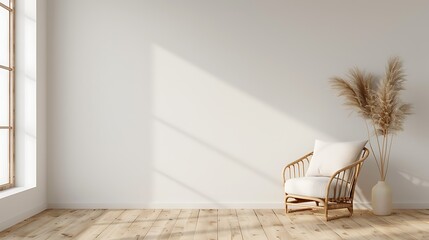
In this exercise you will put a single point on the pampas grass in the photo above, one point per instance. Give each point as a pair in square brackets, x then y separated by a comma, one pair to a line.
[378, 102]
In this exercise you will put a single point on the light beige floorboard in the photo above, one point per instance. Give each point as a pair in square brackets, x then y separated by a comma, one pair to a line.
[240, 224]
[74, 228]
[289, 226]
[307, 225]
[206, 225]
[380, 227]
[142, 224]
[60, 223]
[118, 227]
[190, 226]
[272, 226]
[348, 228]
[20, 231]
[313, 226]
[161, 228]
[250, 226]
[405, 220]
[100, 224]
[30, 221]
[179, 228]
[228, 226]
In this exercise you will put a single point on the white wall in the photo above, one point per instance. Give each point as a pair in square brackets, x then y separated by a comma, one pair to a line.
[30, 196]
[201, 103]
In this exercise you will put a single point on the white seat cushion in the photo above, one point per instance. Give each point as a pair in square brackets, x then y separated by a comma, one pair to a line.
[329, 157]
[313, 187]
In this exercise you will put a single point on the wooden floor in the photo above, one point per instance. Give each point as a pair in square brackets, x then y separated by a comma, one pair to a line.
[217, 224]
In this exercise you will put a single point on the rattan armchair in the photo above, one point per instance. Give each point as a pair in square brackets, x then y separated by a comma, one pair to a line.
[339, 190]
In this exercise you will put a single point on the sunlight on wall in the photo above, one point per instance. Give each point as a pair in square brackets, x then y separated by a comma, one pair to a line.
[205, 130]
[360, 197]
[414, 180]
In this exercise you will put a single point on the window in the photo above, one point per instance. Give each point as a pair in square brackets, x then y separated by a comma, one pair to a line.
[7, 76]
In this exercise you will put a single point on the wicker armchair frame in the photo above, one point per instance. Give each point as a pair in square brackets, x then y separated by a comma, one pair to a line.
[343, 182]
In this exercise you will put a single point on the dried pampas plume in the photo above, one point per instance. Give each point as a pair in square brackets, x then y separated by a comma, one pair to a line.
[378, 102]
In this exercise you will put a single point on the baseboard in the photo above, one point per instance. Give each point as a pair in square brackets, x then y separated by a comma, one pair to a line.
[273, 205]
[165, 205]
[367, 205]
[21, 217]
[411, 205]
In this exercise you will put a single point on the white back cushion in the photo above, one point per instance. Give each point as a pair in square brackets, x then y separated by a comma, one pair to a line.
[329, 157]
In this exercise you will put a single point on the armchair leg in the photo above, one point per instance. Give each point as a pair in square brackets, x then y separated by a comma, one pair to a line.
[286, 206]
[350, 210]
[326, 212]
[287, 210]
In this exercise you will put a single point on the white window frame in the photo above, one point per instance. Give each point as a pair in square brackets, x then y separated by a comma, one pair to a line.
[11, 69]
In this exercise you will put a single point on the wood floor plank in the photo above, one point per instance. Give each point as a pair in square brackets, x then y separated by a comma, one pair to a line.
[207, 224]
[25, 229]
[272, 226]
[306, 225]
[241, 224]
[168, 228]
[313, 222]
[26, 222]
[347, 228]
[408, 223]
[423, 211]
[118, 227]
[141, 225]
[50, 228]
[422, 214]
[288, 224]
[179, 227]
[394, 225]
[63, 219]
[250, 226]
[379, 227]
[73, 229]
[161, 228]
[190, 226]
[99, 224]
[228, 225]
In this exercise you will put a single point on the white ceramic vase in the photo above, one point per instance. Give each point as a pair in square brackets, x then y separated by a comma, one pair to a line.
[381, 199]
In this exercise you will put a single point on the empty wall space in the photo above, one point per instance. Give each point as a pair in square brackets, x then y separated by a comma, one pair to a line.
[188, 104]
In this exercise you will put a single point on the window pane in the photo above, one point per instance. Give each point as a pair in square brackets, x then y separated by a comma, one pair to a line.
[4, 97]
[5, 2]
[4, 37]
[4, 156]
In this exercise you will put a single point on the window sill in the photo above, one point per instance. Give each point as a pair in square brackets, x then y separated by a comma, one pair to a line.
[12, 191]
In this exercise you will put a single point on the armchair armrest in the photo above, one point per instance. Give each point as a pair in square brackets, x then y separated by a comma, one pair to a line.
[343, 181]
[297, 168]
